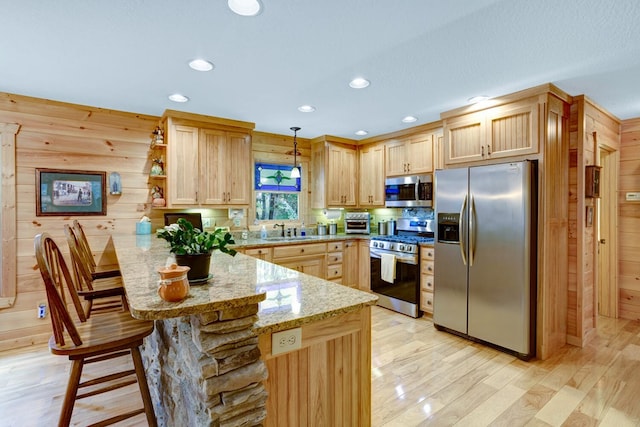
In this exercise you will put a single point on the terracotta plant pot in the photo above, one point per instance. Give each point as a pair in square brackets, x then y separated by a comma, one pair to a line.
[199, 265]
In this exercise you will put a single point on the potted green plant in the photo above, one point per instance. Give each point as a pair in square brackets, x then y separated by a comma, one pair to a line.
[193, 246]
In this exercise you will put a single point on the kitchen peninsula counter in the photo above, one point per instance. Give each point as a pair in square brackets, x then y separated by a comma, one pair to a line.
[229, 321]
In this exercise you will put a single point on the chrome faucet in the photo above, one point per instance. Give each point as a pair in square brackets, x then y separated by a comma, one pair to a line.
[281, 228]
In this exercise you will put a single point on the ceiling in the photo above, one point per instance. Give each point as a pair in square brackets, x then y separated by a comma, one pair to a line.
[422, 57]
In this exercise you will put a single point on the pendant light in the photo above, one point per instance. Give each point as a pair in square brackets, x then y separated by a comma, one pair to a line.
[295, 171]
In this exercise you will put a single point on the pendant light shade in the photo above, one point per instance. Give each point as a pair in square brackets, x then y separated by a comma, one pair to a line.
[295, 171]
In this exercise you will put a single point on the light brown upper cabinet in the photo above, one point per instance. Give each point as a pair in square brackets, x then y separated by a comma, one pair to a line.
[371, 167]
[409, 155]
[504, 131]
[335, 168]
[207, 163]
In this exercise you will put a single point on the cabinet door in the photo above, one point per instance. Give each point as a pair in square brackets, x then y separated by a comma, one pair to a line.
[238, 160]
[371, 173]
[420, 154]
[182, 155]
[364, 266]
[341, 171]
[212, 167]
[396, 154]
[312, 265]
[225, 160]
[260, 253]
[438, 151]
[350, 264]
[349, 172]
[464, 138]
[512, 130]
[334, 176]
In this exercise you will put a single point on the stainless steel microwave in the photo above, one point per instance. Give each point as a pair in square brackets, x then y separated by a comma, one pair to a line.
[408, 191]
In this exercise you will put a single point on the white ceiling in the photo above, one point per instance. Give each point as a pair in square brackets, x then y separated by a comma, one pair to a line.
[423, 57]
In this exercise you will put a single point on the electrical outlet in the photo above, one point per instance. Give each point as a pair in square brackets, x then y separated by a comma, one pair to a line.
[284, 341]
[42, 310]
[206, 222]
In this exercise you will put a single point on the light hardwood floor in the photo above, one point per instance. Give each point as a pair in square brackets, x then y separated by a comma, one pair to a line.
[419, 377]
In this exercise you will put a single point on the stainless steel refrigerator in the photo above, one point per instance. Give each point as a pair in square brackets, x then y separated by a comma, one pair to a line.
[485, 254]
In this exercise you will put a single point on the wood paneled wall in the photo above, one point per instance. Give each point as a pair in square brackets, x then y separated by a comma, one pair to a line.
[65, 136]
[629, 222]
[591, 127]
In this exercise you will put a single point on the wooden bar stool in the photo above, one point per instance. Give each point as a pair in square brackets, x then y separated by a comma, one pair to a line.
[99, 338]
[97, 272]
[100, 294]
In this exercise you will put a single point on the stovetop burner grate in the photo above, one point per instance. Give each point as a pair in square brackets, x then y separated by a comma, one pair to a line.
[414, 240]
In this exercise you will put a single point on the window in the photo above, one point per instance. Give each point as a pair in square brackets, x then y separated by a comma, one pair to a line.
[277, 194]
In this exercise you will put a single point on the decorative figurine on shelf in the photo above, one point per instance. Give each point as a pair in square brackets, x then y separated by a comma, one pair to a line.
[115, 184]
[158, 166]
[157, 198]
[157, 137]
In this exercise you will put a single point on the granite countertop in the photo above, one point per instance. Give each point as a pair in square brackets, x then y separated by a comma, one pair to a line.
[287, 298]
[256, 242]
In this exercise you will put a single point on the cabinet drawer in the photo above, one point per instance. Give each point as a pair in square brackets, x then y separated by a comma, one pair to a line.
[297, 250]
[335, 247]
[426, 252]
[334, 258]
[257, 251]
[334, 271]
[426, 267]
[426, 301]
[426, 282]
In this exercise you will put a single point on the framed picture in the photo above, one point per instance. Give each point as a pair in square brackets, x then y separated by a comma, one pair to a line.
[70, 192]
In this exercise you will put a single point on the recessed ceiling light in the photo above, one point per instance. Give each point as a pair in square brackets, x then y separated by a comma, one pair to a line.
[245, 7]
[476, 99]
[409, 119]
[307, 108]
[362, 133]
[201, 65]
[176, 97]
[359, 83]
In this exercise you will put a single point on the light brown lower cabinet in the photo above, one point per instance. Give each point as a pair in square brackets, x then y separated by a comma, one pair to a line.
[427, 254]
[364, 266]
[309, 259]
[328, 381]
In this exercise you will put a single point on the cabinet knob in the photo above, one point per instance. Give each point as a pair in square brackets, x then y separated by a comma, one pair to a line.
[301, 251]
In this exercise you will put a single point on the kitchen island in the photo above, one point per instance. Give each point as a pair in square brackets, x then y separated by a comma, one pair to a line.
[210, 360]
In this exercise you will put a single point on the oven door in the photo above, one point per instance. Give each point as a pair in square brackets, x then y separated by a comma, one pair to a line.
[403, 295]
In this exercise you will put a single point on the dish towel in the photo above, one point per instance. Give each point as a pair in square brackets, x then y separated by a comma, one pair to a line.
[388, 267]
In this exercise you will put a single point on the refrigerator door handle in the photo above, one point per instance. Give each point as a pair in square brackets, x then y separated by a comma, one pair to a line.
[460, 237]
[472, 234]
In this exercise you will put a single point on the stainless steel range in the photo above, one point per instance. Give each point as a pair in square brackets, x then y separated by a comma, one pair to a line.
[400, 252]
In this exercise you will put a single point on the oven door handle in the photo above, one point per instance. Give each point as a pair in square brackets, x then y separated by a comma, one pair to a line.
[376, 254]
